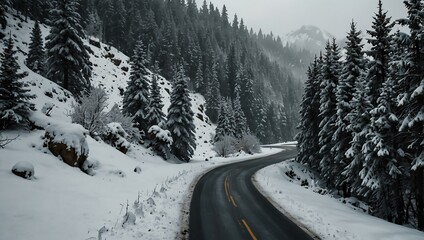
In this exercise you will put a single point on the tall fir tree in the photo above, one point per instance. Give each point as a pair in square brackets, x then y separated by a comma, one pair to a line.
[198, 84]
[239, 118]
[213, 96]
[180, 118]
[330, 75]
[359, 125]
[225, 125]
[68, 62]
[36, 55]
[412, 120]
[155, 114]
[380, 48]
[15, 104]
[231, 74]
[137, 95]
[4, 6]
[308, 140]
[350, 75]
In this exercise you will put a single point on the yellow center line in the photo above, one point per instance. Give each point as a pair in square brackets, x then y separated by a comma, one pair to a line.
[232, 200]
[226, 188]
[248, 229]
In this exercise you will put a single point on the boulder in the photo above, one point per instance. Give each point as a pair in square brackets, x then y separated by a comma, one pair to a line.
[23, 170]
[69, 142]
[68, 154]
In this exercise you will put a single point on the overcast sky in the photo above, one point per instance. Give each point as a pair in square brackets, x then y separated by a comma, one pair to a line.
[283, 16]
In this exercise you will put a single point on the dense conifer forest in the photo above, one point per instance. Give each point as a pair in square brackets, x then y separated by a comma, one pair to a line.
[221, 57]
[362, 119]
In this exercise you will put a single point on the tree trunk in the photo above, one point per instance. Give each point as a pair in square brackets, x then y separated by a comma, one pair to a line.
[419, 194]
[399, 203]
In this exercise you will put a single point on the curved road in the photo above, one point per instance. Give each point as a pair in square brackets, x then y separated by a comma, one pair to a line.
[227, 206]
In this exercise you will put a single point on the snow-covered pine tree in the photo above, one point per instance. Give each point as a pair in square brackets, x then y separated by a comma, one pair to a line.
[380, 48]
[308, 140]
[213, 96]
[382, 167]
[225, 125]
[231, 70]
[4, 6]
[155, 114]
[36, 56]
[330, 72]
[239, 118]
[412, 117]
[359, 125]
[15, 102]
[247, 96]
[231, 117]
[260, 118]
[198, 84]
[137, 95]
[180, 118]
[68, 62]
[350, 75]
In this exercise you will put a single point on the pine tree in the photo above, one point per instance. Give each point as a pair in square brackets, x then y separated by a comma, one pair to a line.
[199, 78]
[155, 114]
[15, 102]
[231, 117]
[36, 56]
[4, 6]
[359, 125]
[225, 126]
[232, 69]
[180, 118]
[382, 165]
[412, 120]
[260, 118]
[213, 96]
[239, 118]
[380, 48]
[137, 95]
[350, 75]
[118, 28]
[307, 138]
[247, 96]
[68, 62]
[330, 74]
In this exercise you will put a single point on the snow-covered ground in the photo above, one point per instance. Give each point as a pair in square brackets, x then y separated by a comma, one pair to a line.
[62, 202]
[327, 217]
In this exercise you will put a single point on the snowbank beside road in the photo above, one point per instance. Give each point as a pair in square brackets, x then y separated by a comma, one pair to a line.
[324, 215]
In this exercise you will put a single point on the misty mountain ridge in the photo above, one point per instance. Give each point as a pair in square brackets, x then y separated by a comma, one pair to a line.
[308, 37]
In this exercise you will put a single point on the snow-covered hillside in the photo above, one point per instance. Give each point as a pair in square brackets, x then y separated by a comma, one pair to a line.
[61, 202]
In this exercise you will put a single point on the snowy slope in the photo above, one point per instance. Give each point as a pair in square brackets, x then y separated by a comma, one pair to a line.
[62, 202]
[318, 211]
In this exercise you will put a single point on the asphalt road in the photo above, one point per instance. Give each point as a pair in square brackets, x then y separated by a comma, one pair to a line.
[226, 205]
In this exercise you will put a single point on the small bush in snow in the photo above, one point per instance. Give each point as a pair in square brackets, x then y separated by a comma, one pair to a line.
[116, 136]
[249, 144]
[162, 141]
[115, 115]
[225, 146]
[23, 169]
[89, 113]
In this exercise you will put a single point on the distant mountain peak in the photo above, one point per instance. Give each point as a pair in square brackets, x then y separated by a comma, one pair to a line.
[308, 37]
